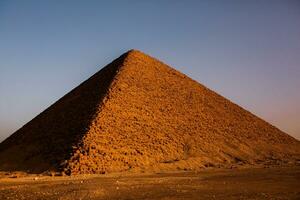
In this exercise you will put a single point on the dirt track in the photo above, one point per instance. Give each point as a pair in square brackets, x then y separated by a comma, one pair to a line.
[267, 183]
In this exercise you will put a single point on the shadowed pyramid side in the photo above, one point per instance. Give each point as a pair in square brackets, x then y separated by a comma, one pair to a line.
[48, 139]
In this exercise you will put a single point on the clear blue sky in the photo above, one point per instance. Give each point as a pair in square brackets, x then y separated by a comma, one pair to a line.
[248, 51]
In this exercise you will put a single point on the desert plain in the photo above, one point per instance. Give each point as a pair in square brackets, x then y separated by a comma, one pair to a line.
[246, 183]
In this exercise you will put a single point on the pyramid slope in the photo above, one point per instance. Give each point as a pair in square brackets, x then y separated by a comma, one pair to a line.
[48, 139]
[156, 116]
[139, 113]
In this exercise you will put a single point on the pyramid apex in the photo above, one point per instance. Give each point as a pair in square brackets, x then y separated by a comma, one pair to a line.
[135, 52]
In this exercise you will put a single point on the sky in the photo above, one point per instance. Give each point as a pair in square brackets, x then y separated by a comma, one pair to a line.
[247, 51]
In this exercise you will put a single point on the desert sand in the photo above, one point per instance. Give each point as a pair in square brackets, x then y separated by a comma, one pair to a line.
[262, 183]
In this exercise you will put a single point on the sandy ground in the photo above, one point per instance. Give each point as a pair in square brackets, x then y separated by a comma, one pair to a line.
[264, 183]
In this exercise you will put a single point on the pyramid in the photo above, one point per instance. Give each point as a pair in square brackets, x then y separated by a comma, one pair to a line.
[139, 113]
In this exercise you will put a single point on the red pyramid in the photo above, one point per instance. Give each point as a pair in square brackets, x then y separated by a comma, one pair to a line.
[139, 113]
